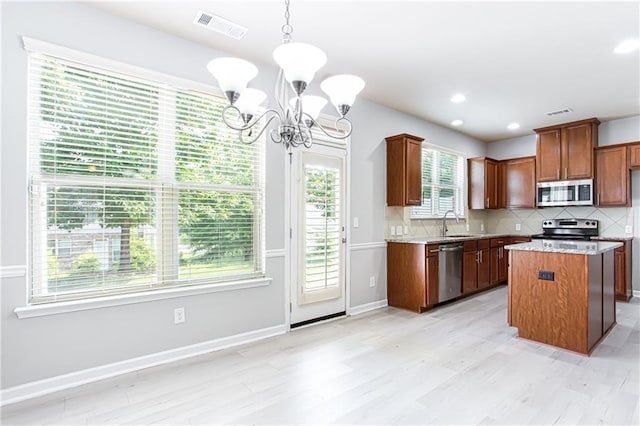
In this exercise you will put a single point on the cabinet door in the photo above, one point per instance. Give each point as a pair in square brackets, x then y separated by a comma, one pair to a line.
[491, 184]
[413, 186]
[502, 265]
[577, 151]
[432, 280]
[612, 186]
[469, 271]
[548, 155]
[484, 268]
[619, 273]
[495, 264]
[404, 170]
[519, 181]
[634, 155]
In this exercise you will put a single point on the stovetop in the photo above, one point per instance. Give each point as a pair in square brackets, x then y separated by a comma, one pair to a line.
[568, 229]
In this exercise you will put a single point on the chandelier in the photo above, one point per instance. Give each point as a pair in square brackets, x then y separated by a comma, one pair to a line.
[296, 113]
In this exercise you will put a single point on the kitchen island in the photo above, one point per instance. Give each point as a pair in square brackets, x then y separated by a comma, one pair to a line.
[562, 293]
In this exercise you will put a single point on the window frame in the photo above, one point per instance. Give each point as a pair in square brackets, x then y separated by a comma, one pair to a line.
[463, 184]
[162, 288]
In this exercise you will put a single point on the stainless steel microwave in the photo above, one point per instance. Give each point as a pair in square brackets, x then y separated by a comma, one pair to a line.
[565, 193]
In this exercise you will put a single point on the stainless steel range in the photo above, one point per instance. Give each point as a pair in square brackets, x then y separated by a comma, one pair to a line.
[568, 229]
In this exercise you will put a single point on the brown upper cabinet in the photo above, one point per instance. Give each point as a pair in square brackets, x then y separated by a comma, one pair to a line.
[612, 171]
[519, 183]
[496, 184]
[565, 151]
[634, 155]
[483, 190]
[404, 170]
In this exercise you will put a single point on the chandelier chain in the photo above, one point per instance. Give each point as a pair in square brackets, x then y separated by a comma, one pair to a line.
[287, 29]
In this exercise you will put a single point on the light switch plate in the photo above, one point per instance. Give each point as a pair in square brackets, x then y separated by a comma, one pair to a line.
[356, 222]
[518, 227]
[628, 229]
[393, 231]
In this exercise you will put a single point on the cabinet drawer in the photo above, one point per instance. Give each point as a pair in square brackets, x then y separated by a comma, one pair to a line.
[498, 242]
[484, 244]
[471, 245]
[432, 250]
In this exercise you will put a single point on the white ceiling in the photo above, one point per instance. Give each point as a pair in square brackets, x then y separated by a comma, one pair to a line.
[514, 61]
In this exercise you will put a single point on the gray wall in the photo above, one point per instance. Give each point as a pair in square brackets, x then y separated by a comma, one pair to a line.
[43, 347]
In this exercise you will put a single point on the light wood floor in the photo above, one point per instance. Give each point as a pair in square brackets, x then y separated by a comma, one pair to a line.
[458, 364]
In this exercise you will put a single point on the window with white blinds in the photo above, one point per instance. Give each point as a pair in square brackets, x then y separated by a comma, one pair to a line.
[442, 183]
[135, 185]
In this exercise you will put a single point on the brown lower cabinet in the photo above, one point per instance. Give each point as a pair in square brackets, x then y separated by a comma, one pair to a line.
[622, 269]
[498, 260]
[475, 266]
[412, 271]
[412, 276]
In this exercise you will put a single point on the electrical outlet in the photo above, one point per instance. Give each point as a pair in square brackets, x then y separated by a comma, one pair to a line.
[482, 227]
[467, 226]
[178, 316]
[628, 229]
[518, 227]
[406, 230]
[399, 230]
[372, 281]
[393, 231]
[356, 222]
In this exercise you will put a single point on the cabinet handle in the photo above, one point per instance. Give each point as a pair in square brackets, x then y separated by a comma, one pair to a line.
[558, 174]
[598, 199]
[480, 256]
[487, 205]
[477, 257]
[565, 173]
[434, 251]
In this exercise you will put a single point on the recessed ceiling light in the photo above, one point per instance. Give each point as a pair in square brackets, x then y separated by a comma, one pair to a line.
[627, 46]
[457, 122]
[457, 98]
[513, 126]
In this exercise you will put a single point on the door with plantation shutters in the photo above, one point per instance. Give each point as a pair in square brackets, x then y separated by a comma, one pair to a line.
[318, 243]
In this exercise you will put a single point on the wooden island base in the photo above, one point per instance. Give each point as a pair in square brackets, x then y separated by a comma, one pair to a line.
[564, 300]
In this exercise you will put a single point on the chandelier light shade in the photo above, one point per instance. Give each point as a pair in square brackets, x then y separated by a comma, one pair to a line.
[296, 113]
[342, 90]
[300, 62]
[233, 75]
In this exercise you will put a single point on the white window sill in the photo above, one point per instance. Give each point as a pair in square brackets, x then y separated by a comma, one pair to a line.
[32, 311]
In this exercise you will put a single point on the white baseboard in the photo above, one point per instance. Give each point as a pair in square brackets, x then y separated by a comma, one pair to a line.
[66, 381]
[360, 309]
[636, 293]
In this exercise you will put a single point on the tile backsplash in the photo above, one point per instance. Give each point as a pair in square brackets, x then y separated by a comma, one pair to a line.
[613, 221]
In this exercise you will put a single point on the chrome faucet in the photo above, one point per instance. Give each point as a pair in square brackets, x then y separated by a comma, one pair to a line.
[444, 221]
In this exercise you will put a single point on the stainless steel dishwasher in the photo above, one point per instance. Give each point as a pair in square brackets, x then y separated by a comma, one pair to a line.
[449, 271]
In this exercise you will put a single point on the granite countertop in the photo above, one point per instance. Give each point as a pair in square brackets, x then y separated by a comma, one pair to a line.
[614, 238]
[565, 246]
[449, 239]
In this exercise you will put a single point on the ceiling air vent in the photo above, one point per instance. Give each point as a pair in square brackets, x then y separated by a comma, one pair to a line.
[219, 24]
[558, 112]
